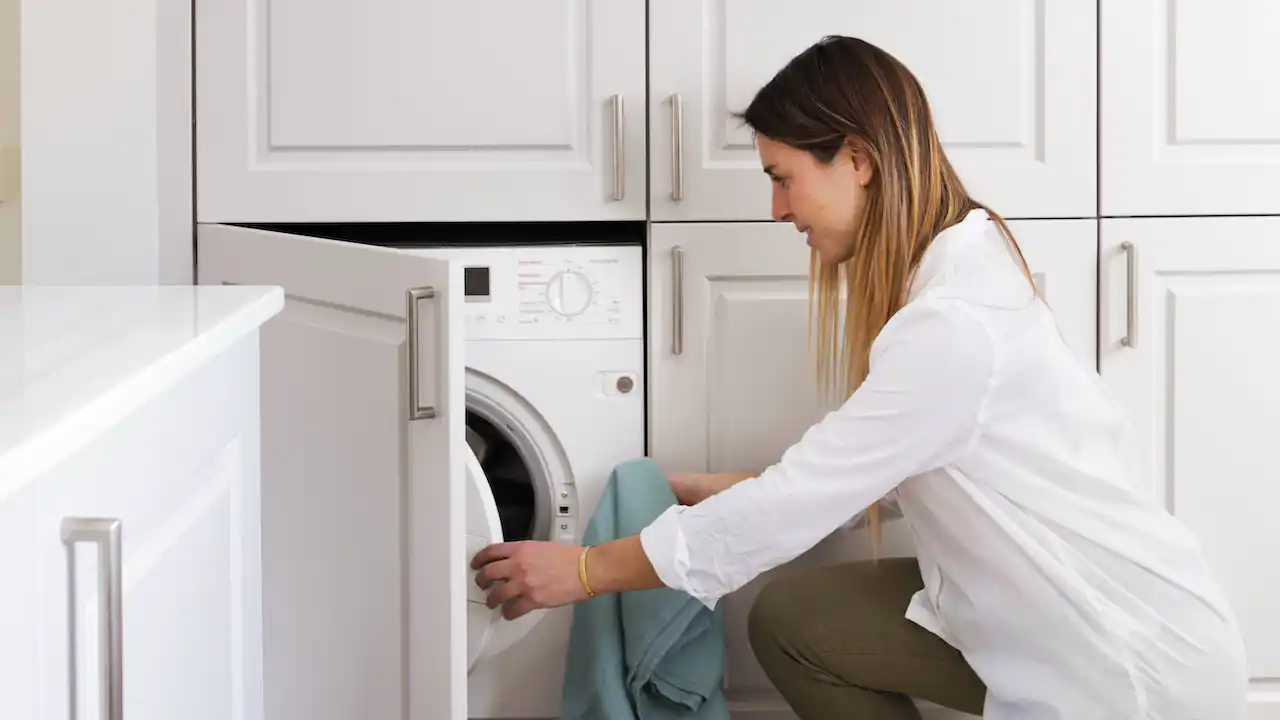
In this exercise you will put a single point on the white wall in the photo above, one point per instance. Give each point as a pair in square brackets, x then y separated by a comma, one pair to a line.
[10, 201]
[175, 262]
[106, 129]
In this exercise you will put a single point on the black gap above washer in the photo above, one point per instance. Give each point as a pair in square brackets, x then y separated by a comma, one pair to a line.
[410, 235]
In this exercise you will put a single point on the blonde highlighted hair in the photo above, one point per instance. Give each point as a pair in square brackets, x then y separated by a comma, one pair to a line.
[845, 92]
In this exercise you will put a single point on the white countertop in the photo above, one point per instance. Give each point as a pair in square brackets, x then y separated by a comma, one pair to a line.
[74, 360]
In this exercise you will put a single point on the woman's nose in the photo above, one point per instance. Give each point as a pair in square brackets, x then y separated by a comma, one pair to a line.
[781, 205]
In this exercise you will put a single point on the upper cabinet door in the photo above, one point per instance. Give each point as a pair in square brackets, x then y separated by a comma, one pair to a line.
[1012, 85]
[402, 110]
[363, 475]
[1190, 118]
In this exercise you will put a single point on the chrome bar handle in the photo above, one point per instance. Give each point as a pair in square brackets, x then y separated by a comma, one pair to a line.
[677, 148]
[1131, 306]
[677, 300]
[412, 297]
[105, 532]
[619, 149]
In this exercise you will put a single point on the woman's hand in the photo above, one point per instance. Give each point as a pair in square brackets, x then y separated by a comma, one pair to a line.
[693, 488]
[529, 575]
[532, 575]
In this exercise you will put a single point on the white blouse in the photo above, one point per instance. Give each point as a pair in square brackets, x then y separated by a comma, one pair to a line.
[1069, 591]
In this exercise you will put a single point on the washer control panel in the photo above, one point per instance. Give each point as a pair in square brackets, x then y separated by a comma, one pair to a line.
[549, 292]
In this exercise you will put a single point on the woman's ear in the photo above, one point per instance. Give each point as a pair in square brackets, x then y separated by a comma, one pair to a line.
[863, 167]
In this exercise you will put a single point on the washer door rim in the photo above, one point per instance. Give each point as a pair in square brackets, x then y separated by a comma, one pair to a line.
[544, 456]
[478, 487]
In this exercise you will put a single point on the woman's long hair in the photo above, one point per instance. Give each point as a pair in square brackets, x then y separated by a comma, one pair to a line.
[840, 91]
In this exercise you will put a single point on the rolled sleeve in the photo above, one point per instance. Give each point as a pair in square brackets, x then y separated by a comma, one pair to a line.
[664, 544]
[918, 409]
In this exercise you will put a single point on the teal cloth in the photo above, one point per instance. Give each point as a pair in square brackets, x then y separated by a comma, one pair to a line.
[648, 654]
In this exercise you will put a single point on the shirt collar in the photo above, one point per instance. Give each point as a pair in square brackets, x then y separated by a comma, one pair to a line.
[935, 266]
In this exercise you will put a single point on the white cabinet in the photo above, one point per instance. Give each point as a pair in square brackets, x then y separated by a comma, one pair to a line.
[1189, 124]
[397, 111]
[404, 110]
[363, 419]
[1012, 86]
[179, 484]
[733, 382]
[129, 504]
[1190, 345]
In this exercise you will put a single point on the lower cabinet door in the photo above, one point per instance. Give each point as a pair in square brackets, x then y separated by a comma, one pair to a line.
[1190, 344]
[147, 542]
[734, 384]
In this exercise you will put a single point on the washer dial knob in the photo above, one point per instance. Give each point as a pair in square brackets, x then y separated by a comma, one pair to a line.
[569, 293]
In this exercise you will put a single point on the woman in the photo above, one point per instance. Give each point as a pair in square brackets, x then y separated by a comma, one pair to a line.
[1046, 585]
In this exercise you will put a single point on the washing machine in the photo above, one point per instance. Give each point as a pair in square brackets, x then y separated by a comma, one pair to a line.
[555, 400]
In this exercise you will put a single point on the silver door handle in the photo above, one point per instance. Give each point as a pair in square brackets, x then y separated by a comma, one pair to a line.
[677, 300]
[1131, 298]
[412, 297]
[105, 532]
[677, 147]
[619, 149]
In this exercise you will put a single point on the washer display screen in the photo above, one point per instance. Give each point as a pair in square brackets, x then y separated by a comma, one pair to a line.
[475, 282]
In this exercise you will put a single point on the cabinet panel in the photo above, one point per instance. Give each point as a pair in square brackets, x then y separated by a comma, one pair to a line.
[1198, 380]
[1012, 86]
[743, 386]
[189, 571]
[403, 111]
[1185, 129]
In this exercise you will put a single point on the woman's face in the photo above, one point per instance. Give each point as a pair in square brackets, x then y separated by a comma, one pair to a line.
[824, 201]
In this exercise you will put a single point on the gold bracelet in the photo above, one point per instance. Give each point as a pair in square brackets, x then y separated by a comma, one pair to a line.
[582, 572]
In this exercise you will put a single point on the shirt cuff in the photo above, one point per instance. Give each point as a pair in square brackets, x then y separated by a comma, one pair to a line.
[665, 546]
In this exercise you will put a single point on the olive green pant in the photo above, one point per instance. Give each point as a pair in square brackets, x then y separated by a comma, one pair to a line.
[834, 642]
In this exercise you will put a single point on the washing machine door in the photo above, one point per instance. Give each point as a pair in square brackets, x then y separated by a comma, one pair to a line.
[484, 527]
[518, 488]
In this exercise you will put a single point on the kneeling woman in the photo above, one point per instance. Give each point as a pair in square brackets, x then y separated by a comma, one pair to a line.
[1046, 585]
